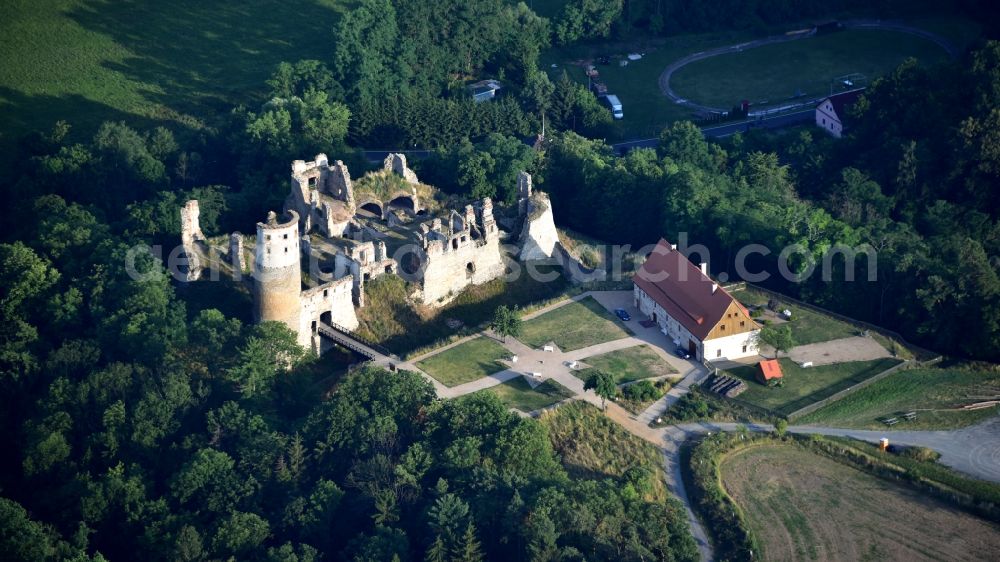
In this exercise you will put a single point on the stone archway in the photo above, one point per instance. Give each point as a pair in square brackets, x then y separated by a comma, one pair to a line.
[371, 208]
[405, 202]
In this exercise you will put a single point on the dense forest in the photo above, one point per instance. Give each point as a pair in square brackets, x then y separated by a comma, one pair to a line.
[915, 180]
[144, 422]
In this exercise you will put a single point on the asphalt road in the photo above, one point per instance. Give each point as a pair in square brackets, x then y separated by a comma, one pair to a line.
[713, 132]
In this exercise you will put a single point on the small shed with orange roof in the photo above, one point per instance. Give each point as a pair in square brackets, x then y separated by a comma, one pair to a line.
[770, 371]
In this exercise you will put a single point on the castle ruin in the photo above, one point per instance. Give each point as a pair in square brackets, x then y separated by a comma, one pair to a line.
[311, 263]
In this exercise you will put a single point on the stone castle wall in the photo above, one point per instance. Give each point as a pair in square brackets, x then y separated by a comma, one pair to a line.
[539, 237]
[277, 273]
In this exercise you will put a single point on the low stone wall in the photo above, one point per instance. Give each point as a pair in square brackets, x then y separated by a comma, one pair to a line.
[927, 357]
[575, 270]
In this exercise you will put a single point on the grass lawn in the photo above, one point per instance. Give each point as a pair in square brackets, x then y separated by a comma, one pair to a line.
[805, 386]
[391, 320]
[775, 73]
[592, 446]
[935, 394]
[812, 327]
[184, 61]
[807, 326]
[627, 365]
[647, 111]
[516, 393]
[804, 506]
[573, 326]
[466, 362]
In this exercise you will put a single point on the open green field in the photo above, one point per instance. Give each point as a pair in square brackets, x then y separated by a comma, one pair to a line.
[774, 73]
[803, 506]
[807, 326]
[87, 61]
[391, 319]
[572, 326]
[627, 365]
[592, 446]
[814, 327]
[517, 393]
[647, 111]
[466, 362]
[805, 386]
[937, 396]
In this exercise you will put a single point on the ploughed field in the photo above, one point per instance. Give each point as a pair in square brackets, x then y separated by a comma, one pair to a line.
[802, 506]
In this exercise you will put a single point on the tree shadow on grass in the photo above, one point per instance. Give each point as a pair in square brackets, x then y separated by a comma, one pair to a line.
[201, 58]
[22, 114]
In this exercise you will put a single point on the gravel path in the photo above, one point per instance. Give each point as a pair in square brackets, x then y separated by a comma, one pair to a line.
[843, 350]
[973, 450]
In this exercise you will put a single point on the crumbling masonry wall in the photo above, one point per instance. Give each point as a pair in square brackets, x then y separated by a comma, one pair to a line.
[396, 163]
[539, 237]
[454, 259]
[191, 234]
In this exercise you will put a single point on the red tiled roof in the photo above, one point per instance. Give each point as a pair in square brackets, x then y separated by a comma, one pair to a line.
[842, 100]
[683, 291]
[771, 369]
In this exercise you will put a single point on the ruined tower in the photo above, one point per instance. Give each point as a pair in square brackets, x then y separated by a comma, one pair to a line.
[277, 273]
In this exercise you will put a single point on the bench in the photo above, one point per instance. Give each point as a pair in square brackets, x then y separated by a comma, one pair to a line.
[910, 416]
[890, 421]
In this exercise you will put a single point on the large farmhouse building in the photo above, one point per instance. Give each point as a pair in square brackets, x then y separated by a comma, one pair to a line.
[692, 309]
[831, 111]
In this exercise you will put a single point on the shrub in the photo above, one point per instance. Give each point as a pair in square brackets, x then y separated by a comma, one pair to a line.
[641, 391]
[923, 454]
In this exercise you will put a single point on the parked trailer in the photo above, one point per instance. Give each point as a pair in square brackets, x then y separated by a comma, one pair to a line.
[615, 105]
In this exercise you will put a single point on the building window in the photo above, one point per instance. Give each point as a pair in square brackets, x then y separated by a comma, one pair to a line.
[718, 353]
[286, 249]
[326, 293]
[312, 181]
[722, 327]
[824, 120]
[744, 349]
[267, 237]
[742, 323]
[286, 236]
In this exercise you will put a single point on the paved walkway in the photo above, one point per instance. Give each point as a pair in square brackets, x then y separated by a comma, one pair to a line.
[973, 450]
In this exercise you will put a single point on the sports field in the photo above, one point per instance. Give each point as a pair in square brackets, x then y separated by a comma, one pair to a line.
[802, 506]
[779, 72]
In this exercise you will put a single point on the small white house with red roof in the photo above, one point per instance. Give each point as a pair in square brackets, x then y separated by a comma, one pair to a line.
[831, 111]
[691, 308]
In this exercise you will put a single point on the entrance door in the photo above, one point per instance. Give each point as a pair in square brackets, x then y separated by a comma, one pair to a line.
[693, 348]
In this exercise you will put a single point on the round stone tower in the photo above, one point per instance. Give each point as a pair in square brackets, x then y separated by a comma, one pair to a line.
[277, 273]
